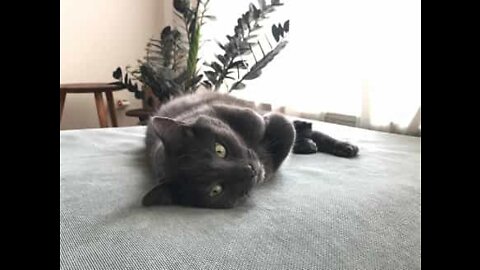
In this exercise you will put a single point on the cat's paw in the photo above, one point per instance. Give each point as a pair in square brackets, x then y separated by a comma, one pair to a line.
[304, 146]
[344, 149]
[302, 127]
[300, 124]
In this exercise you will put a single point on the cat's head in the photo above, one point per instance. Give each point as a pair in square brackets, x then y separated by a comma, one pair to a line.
[206, 164]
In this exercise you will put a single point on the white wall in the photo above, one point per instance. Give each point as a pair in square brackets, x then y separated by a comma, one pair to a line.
[96, 36]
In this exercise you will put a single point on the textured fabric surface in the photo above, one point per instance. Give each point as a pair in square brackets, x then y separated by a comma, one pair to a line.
[320, 212]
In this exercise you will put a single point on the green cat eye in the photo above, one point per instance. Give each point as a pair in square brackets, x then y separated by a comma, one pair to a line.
[220, 150]
[217, 189]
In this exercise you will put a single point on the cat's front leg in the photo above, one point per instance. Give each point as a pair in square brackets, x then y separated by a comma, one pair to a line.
[278, 139]
[245, 121]
[329, 145]
[321, 142]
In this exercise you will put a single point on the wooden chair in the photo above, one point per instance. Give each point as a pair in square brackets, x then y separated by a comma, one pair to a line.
[97, 89]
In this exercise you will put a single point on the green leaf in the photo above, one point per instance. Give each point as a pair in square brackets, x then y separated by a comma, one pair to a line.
[192, 83]
[276, 3]
[165, 33]
[262, 4]
[269, 9]
[179, 15]
[154, 45]
[220, 45]
[181, 5]
[117, 74]
[239, 31]
[280, 29]
[275, 33]
[210, 17]
[244, 45]
[253, 13]
[238, 86]
[207, 84]
[211, 76]
[216, 66]
[253, 75]
[222, 59]
[286, 26]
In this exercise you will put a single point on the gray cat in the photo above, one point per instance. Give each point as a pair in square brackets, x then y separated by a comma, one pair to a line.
[210, 149]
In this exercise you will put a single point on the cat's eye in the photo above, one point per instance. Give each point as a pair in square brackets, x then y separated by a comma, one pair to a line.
[220, 150]
[217, 189]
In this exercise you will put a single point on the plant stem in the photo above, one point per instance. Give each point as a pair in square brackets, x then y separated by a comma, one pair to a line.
[194, 41]
[222, 76]
[195, 18]
[269, 44]
[260, 45]
[251, 49]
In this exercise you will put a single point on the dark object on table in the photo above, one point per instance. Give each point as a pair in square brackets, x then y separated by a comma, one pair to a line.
[142, 114]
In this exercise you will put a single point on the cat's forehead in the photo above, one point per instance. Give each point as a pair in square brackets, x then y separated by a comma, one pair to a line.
[212, 126]
[208, 122]
[219, 131]
[207, 132]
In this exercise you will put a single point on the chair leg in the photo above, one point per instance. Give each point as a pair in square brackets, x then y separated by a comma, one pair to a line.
[111, 108]
[63, 95]
[102, 114]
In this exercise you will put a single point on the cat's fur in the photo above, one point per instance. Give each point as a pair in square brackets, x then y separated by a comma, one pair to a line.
[181, 139]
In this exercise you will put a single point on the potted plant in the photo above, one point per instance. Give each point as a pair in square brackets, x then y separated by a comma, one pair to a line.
[170, 67]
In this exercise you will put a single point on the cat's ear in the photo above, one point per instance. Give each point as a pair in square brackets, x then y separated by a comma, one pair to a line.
[159, 195]
[165, 126]
[161, 125]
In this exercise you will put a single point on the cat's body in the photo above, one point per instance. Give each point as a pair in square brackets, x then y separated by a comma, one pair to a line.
[210, 149]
